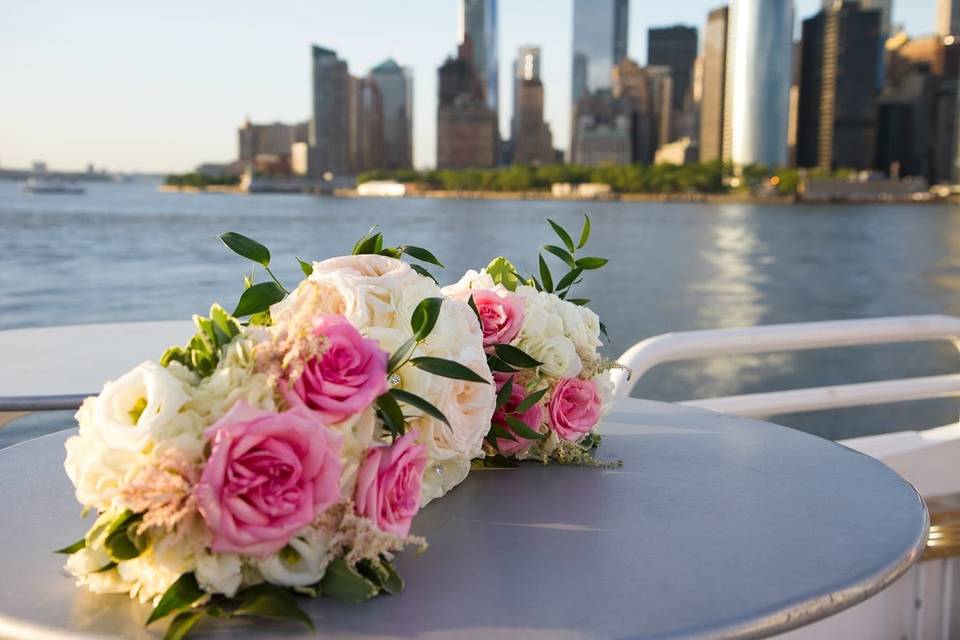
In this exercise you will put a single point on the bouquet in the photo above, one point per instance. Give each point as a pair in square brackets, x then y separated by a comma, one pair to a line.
[553, 387]
[287, 453]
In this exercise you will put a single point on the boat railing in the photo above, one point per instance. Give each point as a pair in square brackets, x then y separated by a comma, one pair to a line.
[691, 345]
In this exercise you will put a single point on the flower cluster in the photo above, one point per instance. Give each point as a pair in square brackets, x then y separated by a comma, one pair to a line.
[553, 386]
[291, 452]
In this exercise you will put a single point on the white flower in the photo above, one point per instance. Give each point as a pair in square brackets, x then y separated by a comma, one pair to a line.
[303, 566]
[470, 280]
[219, 573]
[539, 318]
[557, 353]
[85, 565]
[132, 411]
[98, 472]
[580, 324]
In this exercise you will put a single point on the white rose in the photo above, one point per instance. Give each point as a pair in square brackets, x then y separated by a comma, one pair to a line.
[98, 473]
[304, 567]
[577, 324]
[219, 573]
[470, 280]
[132, 411]
[557, 353]
[539, 318]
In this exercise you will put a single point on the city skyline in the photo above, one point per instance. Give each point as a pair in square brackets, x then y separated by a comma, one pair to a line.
[161, 109]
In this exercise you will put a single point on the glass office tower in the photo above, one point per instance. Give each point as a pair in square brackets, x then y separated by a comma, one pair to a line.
[599, 43]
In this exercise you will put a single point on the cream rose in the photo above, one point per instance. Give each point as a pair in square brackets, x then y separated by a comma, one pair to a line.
[557, 353]
[582, 330]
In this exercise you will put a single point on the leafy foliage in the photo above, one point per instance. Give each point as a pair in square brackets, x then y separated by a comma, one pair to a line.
[203, 352]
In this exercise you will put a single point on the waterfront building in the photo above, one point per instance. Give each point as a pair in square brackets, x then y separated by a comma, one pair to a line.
[477, 27]
[532, 141]
[712, 111]
[837, 116]
[948, 17]
[274, 139]
[602, 130]
[329, 124]
[676, 48]
[599, 43]
[467, 128]
[759, 45]
[365, 140]
[646, 94]
[395, 84]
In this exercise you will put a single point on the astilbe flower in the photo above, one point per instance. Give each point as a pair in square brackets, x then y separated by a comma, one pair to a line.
[163, 492]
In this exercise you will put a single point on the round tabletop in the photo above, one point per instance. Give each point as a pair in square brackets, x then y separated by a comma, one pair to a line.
[714, 527]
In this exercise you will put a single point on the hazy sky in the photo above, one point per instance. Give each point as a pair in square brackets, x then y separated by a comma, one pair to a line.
[163, 86]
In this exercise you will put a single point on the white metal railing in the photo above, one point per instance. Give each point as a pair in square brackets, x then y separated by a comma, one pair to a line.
[689, 345]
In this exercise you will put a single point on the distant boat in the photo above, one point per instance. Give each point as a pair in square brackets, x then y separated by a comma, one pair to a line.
[43, 185]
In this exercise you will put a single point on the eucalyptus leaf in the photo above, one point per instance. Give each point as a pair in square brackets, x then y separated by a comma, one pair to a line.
[561, 253]
[531, 400]
[498, 365]
[567, 281]
[503, 396]
[181, 594]
[515, 356]
[545, 274]
[421, 254]
[306, 267]
[181, 625]
[521, 429]
[416, 401]
[398, 356]
[563, 235]
[246, 247]
[73, 548]
[392, 414]
[423, 272]
[424, 317]
[258, 298]
[584, 232]
[342, 582]
[591, 262]
[447, 369]
[267, 600]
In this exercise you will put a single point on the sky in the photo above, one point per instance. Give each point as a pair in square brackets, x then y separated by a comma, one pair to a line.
[162, 87]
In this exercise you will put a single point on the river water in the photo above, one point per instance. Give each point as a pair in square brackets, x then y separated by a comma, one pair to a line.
[128, 252]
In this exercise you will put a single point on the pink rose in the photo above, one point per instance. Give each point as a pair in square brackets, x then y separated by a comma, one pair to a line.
[531, 417]
[268, 476]
[574, 408]
[501, 317]
[388, 484]
[347, 377]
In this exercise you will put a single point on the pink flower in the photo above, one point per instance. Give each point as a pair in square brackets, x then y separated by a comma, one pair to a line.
[347, 377]
[574, 408]
[388, 484]
[501, 317]
[531, 417]
[268, 476]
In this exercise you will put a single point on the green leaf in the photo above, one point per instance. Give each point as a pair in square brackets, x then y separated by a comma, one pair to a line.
[425, 317]
[123, 543]
[567, 281]
[531, 400]
[503, 396]
[306, 267]
[545, 274]
[499, 462]
[563, 254]
[246, 247]
[591, 263]
[342, 582]
[392, 414]
[369, 244]
[414, 400]
[423, 272]
[398, 356]
[498, 365]
[501, 432]
[181, 625]
[421, 254]
[533, 282]
[603, 331]
[503, 272]
[258, 298]
[563, 235]
[522, 430]
[473, 306]
[447, 369]
[391, 252]
[393, 583]
[584, 232]
[181, 594]
[580, 302]
[516, 357]
[271, 601]
[73, 548]
[382, 574]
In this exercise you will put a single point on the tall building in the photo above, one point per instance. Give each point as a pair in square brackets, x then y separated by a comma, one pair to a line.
[712, 111]
[273, 139]
[599, 43]
[602, 130]
[477, 28]
[525, 67]
[329, 125]
[759, 46]
[948, 17]
[674, 47]
[531, 138]
[836, 118]
[647, 93]
[396, 92]
[365, 139]
[467, 128]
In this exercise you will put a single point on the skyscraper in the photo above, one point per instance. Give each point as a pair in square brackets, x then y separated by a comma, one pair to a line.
[837, 114]
[525, 67]
[714, 79]
[478, 28]
[365, 142]
[647, 92]
[599, 43]
[948, 17]
[396, 92]
[467, 129]
[759, 47]
[531, 138]
[674, 47]
[329, 125]
[884, 6]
